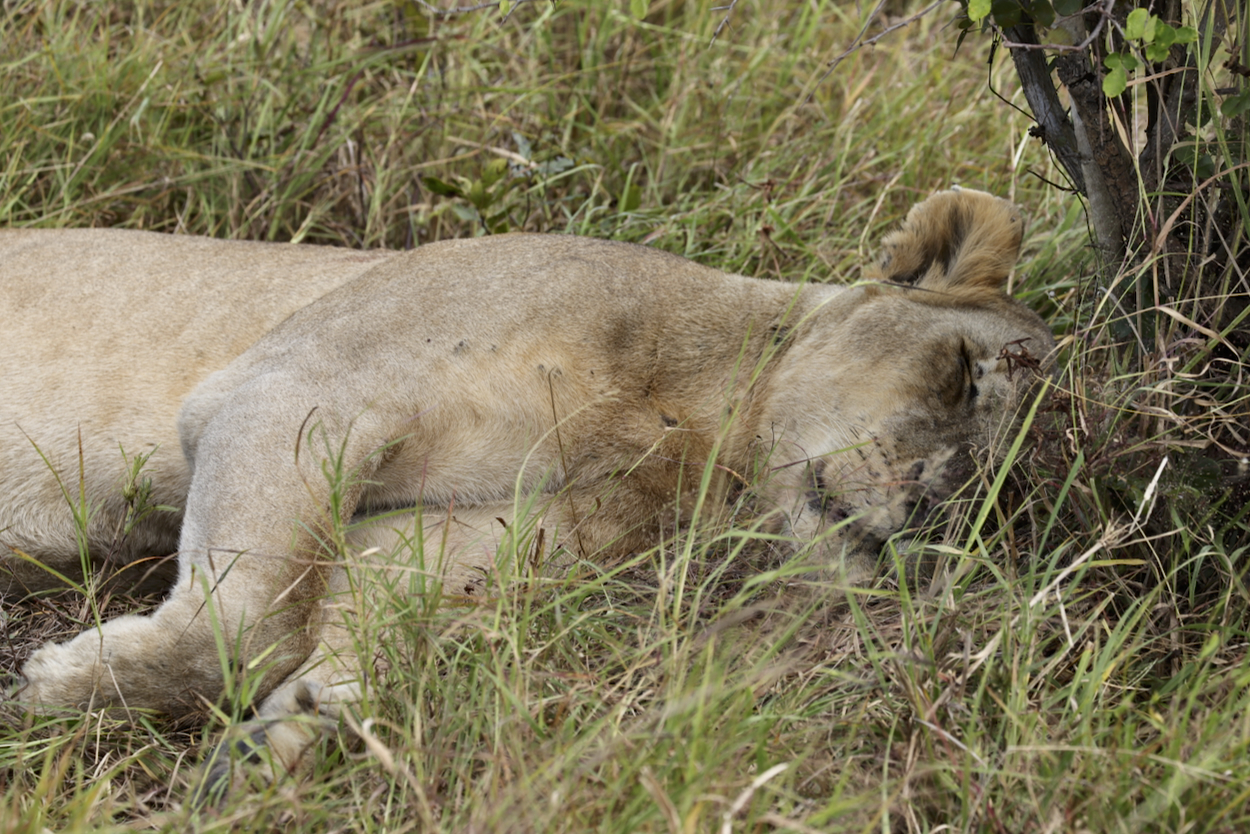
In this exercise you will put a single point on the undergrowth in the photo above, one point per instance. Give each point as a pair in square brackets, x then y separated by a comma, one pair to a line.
[1076, 660]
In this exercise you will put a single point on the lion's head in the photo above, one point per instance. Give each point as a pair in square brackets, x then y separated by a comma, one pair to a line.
[933, 365]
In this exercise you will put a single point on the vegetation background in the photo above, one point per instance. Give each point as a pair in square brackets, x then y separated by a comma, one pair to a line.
[1077, 662]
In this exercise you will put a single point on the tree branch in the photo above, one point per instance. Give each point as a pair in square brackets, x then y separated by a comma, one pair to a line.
[1110, 181]
[1054, 127]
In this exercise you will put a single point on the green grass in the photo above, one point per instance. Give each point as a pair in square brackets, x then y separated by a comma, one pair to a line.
[1078, 663]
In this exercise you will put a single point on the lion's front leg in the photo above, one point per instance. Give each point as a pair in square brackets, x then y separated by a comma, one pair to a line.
[254, 565]
[165, 661]
[173, 660]
[303, 709]
[471, 551]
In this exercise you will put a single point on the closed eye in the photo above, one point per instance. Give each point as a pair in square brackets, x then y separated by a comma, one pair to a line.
[965, 361]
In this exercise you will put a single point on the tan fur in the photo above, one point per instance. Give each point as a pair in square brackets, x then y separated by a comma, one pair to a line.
[594, 378]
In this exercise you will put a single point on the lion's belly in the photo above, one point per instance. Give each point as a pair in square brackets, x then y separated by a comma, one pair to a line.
[73, 463]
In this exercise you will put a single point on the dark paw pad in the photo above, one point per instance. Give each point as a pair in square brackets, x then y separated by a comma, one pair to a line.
[222, 764]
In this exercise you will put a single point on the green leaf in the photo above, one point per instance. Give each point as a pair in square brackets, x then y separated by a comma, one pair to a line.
[638, 8]
[1135, 26]
[1156, 52]
[1164, 37]
[1115, 82]
[1236, 105]
[505, 6]
[468, 214]
[631, 198]
[1120, 60]
[478, 196]
[978, 9]
[494, 171]
[443, 189]
[523, 146]
[1191, 154]
[1204, 168]
[498, 224]
[1068, 7]
[1007, 12]
[1186, 34]
[553, 166]
[1043, 13]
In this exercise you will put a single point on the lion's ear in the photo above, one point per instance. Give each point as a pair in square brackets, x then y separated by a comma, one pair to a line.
[955, 241]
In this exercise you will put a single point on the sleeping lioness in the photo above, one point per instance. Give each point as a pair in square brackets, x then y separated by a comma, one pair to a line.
[273, 393]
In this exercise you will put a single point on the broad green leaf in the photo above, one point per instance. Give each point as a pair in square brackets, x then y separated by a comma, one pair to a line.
[1236, 105]
[1043, 13]
[478, 196]
[1135, 26]
[1006, 12]
[553, 166]
[1186, 34]
[494, 171]
[505, 6]
[523, 146]
[443, 189]
[1164, 36]
[467, 214]
[498, 224]
[638, 8]
[1186, 152]
[978, 9]
[1115, 82]
[1068, 7]
[1120, 60]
